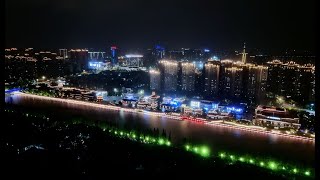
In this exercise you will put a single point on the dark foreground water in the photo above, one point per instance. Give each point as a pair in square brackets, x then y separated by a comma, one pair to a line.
[218, 138]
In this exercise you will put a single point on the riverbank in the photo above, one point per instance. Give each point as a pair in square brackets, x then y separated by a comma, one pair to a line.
[78, 142]
[223, 124]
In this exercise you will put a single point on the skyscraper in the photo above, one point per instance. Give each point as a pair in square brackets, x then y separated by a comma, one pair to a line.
[305, 83]
[169, 75]
[211, 79]
[224, 85]
[154, 79]
[244, 54]
[114, 55]
[187, 76]
[159, 52]
[274, 77]
[289, 78]
[234, 82]
[255, 80]
[261, 86]
[63, 53]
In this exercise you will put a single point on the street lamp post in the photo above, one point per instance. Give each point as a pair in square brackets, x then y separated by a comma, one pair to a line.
[115, 91]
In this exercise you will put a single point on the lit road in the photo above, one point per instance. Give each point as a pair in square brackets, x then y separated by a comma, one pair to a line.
[254, 129]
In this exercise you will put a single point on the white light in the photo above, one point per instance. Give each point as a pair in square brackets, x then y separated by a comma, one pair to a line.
[134, 56]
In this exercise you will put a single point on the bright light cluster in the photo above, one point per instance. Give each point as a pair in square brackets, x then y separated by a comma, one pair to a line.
[141, 138]
[201, 150]
[269, 164]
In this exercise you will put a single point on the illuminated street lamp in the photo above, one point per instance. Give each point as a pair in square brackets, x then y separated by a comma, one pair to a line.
[141, 92]
[43, 77]
[115, 90]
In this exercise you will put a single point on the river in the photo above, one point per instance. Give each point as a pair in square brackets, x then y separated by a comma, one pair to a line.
[217, 138]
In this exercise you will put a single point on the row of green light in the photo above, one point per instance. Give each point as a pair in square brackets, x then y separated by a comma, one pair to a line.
[273, 165]
[201, 150]
[142, 138]
[204, 151]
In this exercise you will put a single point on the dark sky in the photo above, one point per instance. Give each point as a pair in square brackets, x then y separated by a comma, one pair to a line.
[176, 23]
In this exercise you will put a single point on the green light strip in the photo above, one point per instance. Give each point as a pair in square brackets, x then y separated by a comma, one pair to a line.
[204, 151]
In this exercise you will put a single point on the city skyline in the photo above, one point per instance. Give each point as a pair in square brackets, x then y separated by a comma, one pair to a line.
[171, 88]
[272, 24]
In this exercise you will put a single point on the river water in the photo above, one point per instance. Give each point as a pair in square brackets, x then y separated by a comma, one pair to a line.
[218, 138]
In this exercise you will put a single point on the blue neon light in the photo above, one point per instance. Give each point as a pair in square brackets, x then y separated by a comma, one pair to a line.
[13, 90]
[113, 53]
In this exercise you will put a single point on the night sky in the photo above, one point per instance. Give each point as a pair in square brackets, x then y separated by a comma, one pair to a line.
[174, 23]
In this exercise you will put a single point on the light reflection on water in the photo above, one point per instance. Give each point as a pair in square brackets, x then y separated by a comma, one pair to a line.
[218, 138]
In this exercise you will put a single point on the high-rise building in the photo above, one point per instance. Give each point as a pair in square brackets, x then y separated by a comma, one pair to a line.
[234, 82]
[79, 60]
[97, 55]
[274, 77]
[187, 76]
[211, 79]
[169, 75]
[114, 55]
[198, 82]
[289, 78]
[305, 91]
[154, 79]
[261, 87]
[254, 83]
[159, 52]
[313, 85]
[224, 85]
[133, 60]
[63, 53]
[244, 54]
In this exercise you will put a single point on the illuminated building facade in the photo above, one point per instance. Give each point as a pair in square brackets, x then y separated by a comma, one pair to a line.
[114, 55]
[211, 78]
[306, 83]
[289, 79]
[224, 82]
[187, 76]
[233, 82]
[274, 76]
[169, 75]
[97, 55]
[154, 79]
[275, 117]
[159, 52]
[63, 53]
[133, 60]
[255, 81]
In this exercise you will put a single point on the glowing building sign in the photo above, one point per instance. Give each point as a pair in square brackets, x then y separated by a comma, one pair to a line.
[235, 110]
[95, 65]
[195, 104]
